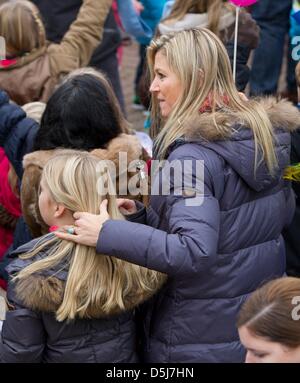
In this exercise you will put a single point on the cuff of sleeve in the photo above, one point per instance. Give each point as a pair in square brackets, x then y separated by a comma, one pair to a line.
[139, 216]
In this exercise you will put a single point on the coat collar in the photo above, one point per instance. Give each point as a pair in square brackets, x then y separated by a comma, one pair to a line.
[282, 114]
[44, 291]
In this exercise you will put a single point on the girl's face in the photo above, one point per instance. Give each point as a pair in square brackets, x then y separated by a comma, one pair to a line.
[166, 85]
[261, 350]
[47, 205]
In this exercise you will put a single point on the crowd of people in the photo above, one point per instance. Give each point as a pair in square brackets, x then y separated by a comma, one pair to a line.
[110, 253]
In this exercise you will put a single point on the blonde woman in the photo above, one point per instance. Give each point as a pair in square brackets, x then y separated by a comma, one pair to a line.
[72, 304]
[217, 233]
[33, 67]
[269, 323]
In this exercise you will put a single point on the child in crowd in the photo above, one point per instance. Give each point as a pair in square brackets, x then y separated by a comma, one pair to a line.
[73, 304]
[269, 323]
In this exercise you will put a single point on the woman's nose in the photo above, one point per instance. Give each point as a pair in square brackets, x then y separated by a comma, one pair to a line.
[154, 86]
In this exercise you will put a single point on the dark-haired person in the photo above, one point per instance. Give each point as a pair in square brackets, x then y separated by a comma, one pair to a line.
[82, 114]
[269, 323]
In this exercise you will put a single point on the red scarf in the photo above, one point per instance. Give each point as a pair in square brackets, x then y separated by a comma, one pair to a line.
[207, 104]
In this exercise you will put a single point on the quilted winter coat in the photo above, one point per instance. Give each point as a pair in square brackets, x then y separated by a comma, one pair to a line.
[217, 252]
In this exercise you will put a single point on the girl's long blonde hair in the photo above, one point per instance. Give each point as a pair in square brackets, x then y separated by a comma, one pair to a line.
[22, 27]
[213, 8]
[200, 61]
[96, 282]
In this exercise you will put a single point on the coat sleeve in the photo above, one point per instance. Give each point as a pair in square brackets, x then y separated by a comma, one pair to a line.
[131, 21]
[83, 36]
[17, 133]
[188, 246]
[144, 216]
[23, 337]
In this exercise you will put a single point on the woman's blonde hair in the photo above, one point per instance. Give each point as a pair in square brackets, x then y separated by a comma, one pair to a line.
[268, 312]
[213, 8]
[201, 63]
[96, 282]
[22, 27]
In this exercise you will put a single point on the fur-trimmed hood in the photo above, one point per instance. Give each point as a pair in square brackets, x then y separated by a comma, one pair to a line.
[123, 143]
[237, 147]
[44, 291]
[34, 163]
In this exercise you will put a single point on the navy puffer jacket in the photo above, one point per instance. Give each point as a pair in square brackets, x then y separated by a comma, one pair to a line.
[216, 252]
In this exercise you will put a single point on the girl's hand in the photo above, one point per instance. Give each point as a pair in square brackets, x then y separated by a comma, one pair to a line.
[126, 206]
[87, 227]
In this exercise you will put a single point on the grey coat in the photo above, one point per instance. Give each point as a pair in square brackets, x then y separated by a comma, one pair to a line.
[216, 253]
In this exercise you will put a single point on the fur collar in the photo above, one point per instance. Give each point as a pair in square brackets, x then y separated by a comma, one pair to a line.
[45, 294]
[44, 291]
[123, 143]
[282, 113]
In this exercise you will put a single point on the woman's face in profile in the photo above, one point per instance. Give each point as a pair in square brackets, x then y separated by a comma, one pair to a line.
[166, 85]
[262, 350]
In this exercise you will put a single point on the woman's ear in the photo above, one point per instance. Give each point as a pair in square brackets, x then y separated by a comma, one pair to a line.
[59, 210]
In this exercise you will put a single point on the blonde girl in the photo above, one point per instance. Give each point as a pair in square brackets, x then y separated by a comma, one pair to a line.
[74, 305]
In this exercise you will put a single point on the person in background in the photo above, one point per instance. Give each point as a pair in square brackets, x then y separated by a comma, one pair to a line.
[10, 207]
[151, 15]
[219, 17]
[33, 67]
[273, 19]
[59, 15]
[291, 233]
[269, 323]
